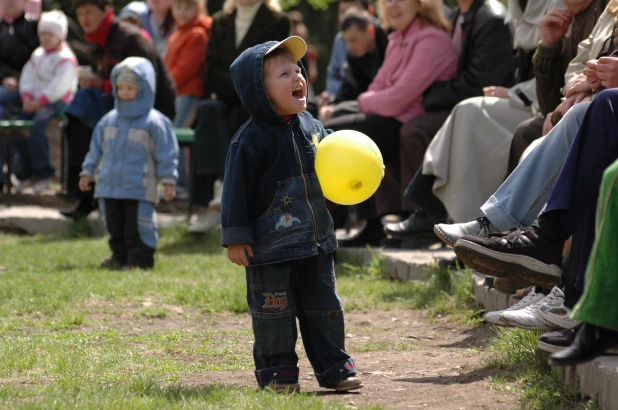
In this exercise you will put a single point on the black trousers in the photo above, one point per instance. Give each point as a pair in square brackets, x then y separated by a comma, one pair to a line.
[122, 222]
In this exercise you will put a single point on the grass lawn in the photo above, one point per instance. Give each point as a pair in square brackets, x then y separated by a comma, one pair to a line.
[72, 332]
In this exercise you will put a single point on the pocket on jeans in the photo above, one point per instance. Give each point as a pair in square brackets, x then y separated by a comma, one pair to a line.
[328, 270]
[269, 277]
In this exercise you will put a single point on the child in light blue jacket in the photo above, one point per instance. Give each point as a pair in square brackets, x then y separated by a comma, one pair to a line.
[133, 148]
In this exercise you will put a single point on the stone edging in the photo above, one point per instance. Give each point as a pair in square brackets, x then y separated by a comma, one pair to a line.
[597, 379]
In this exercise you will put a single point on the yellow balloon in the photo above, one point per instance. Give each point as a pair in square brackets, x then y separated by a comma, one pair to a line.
[349, 167]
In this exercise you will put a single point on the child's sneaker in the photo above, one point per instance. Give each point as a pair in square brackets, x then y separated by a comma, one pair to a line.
[283, 388]
[110, 263]
[351, 383]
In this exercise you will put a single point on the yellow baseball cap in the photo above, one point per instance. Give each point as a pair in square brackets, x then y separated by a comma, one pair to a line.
[294, 45]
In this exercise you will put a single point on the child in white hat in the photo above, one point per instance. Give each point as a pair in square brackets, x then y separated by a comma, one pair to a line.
[46, 86]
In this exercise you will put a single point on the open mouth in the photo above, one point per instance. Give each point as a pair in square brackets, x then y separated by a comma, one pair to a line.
[298, 92]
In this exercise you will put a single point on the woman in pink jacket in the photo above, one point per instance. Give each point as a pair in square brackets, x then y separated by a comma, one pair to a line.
[419, 52]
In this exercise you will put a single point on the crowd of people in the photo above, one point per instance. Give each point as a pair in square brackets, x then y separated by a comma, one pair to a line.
[495, 126]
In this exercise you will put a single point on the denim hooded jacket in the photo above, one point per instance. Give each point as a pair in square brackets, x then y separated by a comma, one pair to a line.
[133, 147]
[272, 199]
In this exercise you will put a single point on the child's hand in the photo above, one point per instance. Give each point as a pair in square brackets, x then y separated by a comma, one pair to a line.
[31, 106]
[169, 192]
[84, 183]
[238, 254]
[383, 170]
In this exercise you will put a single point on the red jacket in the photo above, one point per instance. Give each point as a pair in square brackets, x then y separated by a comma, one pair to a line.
[186, 54]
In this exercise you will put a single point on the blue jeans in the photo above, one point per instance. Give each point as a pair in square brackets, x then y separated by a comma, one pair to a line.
[521, 198]
[7, 99]
[279, 293]
[186, 107]
[34, 150]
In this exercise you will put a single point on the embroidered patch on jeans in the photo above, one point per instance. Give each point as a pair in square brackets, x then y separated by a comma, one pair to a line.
[287, 221]
[275, 302]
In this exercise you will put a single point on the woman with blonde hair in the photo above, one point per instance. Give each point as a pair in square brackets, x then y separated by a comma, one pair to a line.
[419, 52]
[240, 25]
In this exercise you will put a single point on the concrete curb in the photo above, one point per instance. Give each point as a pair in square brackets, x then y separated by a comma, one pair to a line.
[597, 379]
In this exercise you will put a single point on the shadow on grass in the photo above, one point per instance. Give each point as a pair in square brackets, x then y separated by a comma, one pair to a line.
[470, 377]
[177, 241]
[476, 337]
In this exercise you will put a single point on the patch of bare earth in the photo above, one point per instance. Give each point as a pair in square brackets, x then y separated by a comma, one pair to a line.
[405, 362]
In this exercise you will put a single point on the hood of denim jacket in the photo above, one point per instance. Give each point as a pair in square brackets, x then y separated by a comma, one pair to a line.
[144, 102]
[247, 77]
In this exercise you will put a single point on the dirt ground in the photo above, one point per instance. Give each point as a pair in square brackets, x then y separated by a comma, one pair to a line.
[405, 361]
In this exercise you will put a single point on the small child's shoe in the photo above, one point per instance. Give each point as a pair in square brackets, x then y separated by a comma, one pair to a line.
[110, 263]
[283, 388]
[351, 383]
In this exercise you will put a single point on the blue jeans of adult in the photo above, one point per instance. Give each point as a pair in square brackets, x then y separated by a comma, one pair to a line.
[186, 108]
[521, 198]
[34, 150]
[7, 99]
[277, 294]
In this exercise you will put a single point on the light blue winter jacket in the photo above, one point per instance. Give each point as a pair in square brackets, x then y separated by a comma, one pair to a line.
[133, 147]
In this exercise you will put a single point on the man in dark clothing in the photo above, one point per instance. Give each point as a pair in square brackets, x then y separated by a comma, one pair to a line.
[111, 42]
[366, 43]
[222, 113]
[552, 57]
[18, 39]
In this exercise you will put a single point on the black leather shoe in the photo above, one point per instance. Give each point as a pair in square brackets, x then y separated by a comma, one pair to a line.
[590, 342]
[83, 209]
[420, 223]
[369, 236]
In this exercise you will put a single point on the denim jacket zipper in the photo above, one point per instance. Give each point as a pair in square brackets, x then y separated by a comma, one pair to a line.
[302, 172]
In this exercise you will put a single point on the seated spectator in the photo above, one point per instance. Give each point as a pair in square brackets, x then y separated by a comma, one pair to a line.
[597, 307]
[132, 13]
[111, 41]
[450, 161]
[419, 53]
[486, 59]
[535, 253]
[335, 72]
[185, 57]
[18, 39]
[485, 43]
[240, 25]
[159, 22]
[366, 43]
[310, 60]
[550, 65]
[47, 85]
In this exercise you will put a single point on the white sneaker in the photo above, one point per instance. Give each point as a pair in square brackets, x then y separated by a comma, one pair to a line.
[451, 233]
[207, 221]
[558, 316]
[529, 318]
[41, 185]
[22, 184]
[215, 202]
[494, 317]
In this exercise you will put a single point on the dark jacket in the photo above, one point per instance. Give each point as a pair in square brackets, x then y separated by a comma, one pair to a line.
[486, 57]
[125, 40]
[17, 42]
[551, 63]
[359, 71]
[221, 50]
[272, 199]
